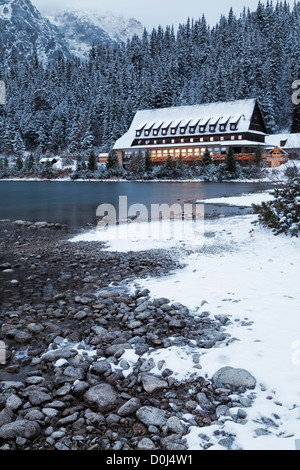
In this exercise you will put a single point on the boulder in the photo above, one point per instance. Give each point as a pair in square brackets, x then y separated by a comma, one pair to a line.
[149, 415]
[234, 378]
[20, 428]
[101, 397]
[151, 383]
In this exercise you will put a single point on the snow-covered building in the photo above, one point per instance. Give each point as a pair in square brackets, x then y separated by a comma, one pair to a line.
[190, 130]
[50, 160]
[290, 143]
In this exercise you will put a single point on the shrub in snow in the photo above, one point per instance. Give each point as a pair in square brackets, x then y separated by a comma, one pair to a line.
[282, 214]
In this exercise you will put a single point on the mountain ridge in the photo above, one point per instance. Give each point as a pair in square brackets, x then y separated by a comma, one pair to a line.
[26, 32]
[84, 28]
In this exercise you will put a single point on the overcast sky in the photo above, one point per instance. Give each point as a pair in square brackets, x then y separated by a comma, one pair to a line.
[155, 12]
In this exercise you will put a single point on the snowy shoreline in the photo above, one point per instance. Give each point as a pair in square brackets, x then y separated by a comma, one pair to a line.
[247, 274]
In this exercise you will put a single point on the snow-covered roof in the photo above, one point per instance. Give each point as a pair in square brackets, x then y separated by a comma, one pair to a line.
[49, 159]
[240, 111]
[292, 141]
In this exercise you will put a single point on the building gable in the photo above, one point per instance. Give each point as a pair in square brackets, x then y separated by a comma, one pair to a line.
[257, 122]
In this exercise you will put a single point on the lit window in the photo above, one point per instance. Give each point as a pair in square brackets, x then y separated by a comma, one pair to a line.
[191, 139]
[182, 141]
[196, 152]
[155, 132]
[240, 137]
[164, 131]
[159, 153]
[155, 142]
[201, 139]
[153, 154]
[173, 130]
[173, 141]
[211, 139]
[138, 133]
[190, 152]
[146, 132]
[165, 153]
[171, 152]
[183, 152]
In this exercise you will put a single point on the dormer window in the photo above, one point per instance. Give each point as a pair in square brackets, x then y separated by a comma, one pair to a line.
[192, 130]
[212, 128]
[138, 133]
[233, 127]
[164, 131]
[201, 128]
[146, 132]
[173, 130]
[222, 127]
[182, 130]
[155, 132]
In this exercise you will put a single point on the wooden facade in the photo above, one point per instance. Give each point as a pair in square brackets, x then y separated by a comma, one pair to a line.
[276, 157]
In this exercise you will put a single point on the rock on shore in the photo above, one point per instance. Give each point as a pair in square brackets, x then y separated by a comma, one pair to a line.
[79, 372]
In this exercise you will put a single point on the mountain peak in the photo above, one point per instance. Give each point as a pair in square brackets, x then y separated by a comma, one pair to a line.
[83, 28]
[24, 33]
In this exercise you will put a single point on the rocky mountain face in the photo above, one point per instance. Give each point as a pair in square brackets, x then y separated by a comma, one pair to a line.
[83, 29]
[24, 32]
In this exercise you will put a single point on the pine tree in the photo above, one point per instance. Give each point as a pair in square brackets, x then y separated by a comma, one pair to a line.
[206, 159]
[19, 164]
[231, 163]
[257, 159]
[148, 162]
[92, 162]
[29, 164]
[112, 164]
[136, 167]
[18, 145]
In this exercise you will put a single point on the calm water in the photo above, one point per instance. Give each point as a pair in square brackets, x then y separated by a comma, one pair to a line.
[75, 203]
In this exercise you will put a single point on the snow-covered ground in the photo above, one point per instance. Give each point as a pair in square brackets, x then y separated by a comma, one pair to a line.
[246, 273]
[244, 200]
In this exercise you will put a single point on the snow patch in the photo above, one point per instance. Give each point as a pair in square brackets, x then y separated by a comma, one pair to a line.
[6, 11]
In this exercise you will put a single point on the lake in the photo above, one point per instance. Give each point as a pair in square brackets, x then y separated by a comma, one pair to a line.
[75, 202]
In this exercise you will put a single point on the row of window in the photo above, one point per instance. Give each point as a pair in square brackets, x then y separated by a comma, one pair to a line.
[191, 140]
[194, 152]
[191, 152]
[191, 129]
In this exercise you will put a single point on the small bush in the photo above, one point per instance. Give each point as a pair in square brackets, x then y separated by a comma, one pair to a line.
[282, 214]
